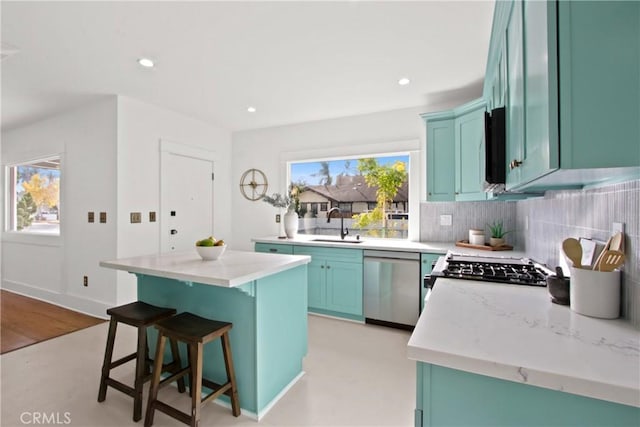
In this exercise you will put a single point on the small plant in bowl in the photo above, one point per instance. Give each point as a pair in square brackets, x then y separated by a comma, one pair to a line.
[210, 248]
[497, 233]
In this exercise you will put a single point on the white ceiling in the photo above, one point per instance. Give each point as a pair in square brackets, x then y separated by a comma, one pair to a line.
[294, 61]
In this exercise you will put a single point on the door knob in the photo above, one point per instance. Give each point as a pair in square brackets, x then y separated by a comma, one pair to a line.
[174, 231]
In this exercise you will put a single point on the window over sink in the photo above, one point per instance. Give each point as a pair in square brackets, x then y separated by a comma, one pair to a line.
[372, 193]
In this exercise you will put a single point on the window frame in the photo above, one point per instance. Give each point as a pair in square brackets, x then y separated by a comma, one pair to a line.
[9, 212]
[411, 147]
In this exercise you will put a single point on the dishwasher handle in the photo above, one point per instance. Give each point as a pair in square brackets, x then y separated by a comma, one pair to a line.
[393, 260]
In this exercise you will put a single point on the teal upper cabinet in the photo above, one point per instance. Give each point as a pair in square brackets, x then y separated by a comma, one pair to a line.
[455, 153]
[470, 152]
[571, 91]
[440, 156]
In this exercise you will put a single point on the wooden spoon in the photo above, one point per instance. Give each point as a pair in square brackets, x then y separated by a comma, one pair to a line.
[611, 260]
[616, 242]
[573, 251]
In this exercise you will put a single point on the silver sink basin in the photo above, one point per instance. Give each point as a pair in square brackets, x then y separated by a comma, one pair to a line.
[336, 241]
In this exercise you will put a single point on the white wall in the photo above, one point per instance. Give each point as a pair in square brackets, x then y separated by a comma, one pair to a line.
[268, 150]
[141, 126]
[52, 268]
[110, 164]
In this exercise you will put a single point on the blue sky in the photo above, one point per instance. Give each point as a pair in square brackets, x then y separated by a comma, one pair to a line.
[307, 171]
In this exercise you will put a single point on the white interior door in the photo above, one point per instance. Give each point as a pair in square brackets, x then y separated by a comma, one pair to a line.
[187, 201]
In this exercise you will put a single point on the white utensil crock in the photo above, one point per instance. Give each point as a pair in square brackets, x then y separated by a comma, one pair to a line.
[595, 293]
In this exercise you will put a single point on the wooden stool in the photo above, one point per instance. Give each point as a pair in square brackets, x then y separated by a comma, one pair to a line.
[140, 315]
[195, 331]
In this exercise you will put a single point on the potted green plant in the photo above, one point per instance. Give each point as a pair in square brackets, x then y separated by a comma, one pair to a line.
[497, 233]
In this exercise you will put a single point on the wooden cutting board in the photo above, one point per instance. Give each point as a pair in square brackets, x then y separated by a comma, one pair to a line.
[485, 247]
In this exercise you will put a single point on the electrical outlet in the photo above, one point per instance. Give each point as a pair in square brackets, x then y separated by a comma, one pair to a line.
[446, 220]
[617, 227]
[152, 217]
[136, 217]
[91, 217]
[278, 218]
[103, 217]
[85, 281]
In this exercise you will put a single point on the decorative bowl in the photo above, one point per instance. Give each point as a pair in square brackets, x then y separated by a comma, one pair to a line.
[209, 253]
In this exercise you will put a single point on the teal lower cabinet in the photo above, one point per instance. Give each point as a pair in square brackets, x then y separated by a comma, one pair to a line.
[274, 248]
[335, 282]
[456, 398]
[426, 262]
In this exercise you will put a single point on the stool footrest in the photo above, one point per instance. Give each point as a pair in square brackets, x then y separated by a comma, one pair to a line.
[121, 387]
[218, 390]
[181, 373]
[122, 360]
[172, 412]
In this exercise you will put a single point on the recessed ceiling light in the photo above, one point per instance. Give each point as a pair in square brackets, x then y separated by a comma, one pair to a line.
[146, 62]
[251, 109]
[404, 81]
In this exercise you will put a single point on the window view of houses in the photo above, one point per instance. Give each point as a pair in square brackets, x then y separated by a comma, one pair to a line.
[371, 194]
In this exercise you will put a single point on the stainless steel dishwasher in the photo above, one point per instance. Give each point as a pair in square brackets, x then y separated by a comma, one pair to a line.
[392, 288]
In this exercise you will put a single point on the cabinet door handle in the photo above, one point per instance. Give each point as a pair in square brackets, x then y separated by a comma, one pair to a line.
[328, 266]
[273, 250]
[322, 266]
[514, 164]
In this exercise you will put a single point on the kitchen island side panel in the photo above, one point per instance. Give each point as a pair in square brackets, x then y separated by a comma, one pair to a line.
[266, 355]
[281, 325]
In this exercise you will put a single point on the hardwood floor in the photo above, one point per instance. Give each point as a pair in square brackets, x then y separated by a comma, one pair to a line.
[25, 321]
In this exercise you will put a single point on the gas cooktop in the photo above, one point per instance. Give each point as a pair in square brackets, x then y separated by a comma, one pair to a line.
[516, 271]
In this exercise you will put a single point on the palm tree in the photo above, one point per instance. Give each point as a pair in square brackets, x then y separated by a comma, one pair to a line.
[324, 173]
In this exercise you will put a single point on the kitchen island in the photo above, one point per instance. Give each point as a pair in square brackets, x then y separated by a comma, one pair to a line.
[263, 295]
[495, 354]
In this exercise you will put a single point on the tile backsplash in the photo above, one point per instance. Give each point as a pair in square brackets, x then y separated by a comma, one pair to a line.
[540, 224]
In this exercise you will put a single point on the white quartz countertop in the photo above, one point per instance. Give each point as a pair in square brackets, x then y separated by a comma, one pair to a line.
[515, 333]
[385, 244]
[234, 268]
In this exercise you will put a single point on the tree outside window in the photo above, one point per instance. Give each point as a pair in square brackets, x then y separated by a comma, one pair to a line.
[34, 190]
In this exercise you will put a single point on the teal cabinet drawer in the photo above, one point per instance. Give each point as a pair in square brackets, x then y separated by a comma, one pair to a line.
[339, 254]
[274, 248]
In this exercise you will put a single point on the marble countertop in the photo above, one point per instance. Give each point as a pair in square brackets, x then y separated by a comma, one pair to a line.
[233, 269]
[515, 333]
[386, 244]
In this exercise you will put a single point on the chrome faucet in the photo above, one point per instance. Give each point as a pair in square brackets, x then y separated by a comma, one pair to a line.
[343, 231]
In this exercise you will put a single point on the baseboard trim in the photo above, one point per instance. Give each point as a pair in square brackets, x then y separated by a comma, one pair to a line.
[70, 302]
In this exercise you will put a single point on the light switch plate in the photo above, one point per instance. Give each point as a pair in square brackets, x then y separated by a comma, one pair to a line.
[136, 217]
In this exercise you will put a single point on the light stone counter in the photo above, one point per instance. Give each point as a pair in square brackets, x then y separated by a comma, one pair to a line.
[515, 333]
[385, 244]
[233, 269]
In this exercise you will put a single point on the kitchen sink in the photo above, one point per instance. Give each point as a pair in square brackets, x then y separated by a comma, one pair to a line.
[336, 241]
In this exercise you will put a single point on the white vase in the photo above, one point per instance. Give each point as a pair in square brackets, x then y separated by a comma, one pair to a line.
[291, 224]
